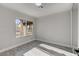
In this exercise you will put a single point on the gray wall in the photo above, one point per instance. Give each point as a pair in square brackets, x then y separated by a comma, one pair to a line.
[55, 28]
[8, 28]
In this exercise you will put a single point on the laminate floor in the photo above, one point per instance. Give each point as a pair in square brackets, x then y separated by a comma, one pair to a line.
[20, 50]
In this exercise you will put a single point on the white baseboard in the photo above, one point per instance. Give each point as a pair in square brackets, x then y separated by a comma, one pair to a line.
[15, 46]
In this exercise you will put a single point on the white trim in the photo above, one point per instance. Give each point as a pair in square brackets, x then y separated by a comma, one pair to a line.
[16, 45]
[72, 46]
[78, 26]
[71, 30]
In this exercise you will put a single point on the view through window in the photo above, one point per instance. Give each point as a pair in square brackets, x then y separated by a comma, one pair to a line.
[23, 27]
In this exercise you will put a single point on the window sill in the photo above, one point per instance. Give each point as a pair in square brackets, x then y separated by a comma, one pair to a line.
[24, 36]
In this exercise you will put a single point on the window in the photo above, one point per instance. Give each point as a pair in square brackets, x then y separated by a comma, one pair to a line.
[23, 27]
[29, 27]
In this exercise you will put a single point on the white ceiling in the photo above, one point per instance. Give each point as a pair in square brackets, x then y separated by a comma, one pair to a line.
[32, 10]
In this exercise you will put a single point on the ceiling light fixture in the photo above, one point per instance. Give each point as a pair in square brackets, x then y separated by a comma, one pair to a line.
[40, 5]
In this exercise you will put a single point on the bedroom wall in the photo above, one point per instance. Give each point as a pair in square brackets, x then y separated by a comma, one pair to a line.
[55, 29]
[8, 29]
